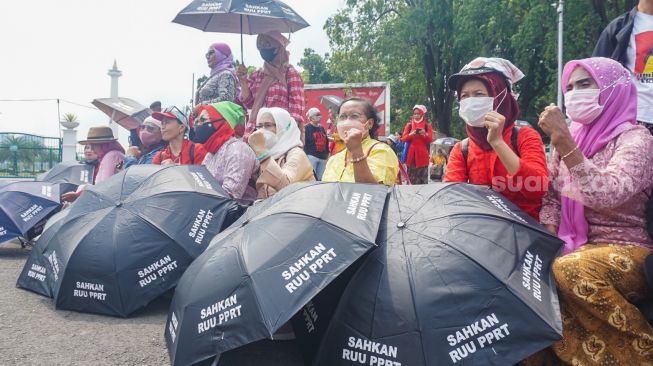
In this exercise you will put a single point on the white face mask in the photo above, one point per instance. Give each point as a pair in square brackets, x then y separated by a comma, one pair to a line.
[270, 138]
[473, 110]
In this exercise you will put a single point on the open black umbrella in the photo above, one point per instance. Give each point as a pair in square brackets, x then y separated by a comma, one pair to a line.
[127, 240]
[241, 16]
[34, 276]
[266, 266]
[69, 172]
[124, 111]
[461, 277]
[25, 206]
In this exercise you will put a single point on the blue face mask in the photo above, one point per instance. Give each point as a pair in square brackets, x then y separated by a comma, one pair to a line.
[268, 54]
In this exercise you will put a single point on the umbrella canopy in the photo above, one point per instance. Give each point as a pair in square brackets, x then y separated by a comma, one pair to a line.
[124, 111]
[69, 172]
[128, 240]
[25, 206]
[331, 101]
[241, 16]
[263, 269]
[461, 277]
[446, 141]
[34, 276]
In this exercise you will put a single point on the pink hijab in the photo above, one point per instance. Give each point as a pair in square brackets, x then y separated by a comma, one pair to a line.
[619, 100]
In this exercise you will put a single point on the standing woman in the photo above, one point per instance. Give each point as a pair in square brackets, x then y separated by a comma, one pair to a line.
[222, 84]
[277, 84]
[496, 153]
[278, 149]
[419, 134]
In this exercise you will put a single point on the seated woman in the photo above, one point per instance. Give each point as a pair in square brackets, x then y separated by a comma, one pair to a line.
[602, 178]
[509, 159]
[110, 153]
[180, 150]
[364, 159]
[231, 162]
[277, 145]
[151, 144]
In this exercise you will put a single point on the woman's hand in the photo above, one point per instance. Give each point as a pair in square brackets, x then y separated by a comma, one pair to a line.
[134, 151]
[241, 73]
[69, 197]
[257, 142]
[494, 123]
[353, 140]
[553, 229]
[552, 122]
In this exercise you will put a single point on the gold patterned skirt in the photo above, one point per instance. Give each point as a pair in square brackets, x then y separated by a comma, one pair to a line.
[597, 286]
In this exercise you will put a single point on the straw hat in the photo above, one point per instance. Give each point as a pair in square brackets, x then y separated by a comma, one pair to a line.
[98, 135]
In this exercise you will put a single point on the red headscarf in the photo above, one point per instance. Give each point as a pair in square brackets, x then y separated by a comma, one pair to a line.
[495, 84]
[223, 130]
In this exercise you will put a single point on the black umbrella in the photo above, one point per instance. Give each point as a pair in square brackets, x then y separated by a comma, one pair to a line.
[128, 240]
[24, 208]
[69, 172]
[461, 277]
[34, 276]
[241, 16]
[124, 111]
[259, 272]
[69, 175]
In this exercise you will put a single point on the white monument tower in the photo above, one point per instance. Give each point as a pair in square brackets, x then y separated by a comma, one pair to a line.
[115, 74]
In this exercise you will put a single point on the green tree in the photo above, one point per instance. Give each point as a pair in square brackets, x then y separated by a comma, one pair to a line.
[316, 70]
[417, 44]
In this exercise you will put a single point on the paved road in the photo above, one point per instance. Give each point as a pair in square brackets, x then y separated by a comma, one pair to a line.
[33, 333]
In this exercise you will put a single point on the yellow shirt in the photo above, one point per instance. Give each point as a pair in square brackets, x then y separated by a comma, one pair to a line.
[382, 161]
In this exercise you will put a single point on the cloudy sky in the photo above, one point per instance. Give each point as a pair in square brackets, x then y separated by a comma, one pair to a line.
[63, 49]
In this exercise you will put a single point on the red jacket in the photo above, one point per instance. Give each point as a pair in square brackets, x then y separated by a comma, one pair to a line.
[184, 158]
[419, 146]
[525, 188]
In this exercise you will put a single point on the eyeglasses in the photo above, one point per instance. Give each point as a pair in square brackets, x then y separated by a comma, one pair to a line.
[210, 53]
[354, 116]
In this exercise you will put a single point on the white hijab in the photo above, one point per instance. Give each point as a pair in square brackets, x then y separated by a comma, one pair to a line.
[288, 135]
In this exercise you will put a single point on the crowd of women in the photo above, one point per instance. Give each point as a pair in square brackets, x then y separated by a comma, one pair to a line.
[593, 195]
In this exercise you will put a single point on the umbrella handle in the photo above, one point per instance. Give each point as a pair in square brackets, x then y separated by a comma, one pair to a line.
[242, 58]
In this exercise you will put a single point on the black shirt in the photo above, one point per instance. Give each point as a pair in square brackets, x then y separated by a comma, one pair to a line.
[316, 141]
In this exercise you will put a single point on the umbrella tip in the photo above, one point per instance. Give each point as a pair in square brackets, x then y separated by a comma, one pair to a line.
[401, 225]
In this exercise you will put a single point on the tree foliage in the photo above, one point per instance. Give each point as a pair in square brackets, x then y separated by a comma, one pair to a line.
[417, 44]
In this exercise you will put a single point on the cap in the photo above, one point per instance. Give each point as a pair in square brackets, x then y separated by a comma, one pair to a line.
[484, 65]
[173, 113]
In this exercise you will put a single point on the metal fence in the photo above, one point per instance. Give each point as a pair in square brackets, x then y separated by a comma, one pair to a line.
[26, 156]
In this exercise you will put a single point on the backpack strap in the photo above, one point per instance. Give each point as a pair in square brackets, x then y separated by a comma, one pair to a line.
[513, 138]
[464, 148]
[464, 144]
[192, 153]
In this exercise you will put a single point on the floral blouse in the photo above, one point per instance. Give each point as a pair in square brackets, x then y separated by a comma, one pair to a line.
[218, 88]
[614, 186]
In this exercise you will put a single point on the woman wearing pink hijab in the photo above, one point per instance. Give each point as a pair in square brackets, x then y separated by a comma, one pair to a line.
[601, 178]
